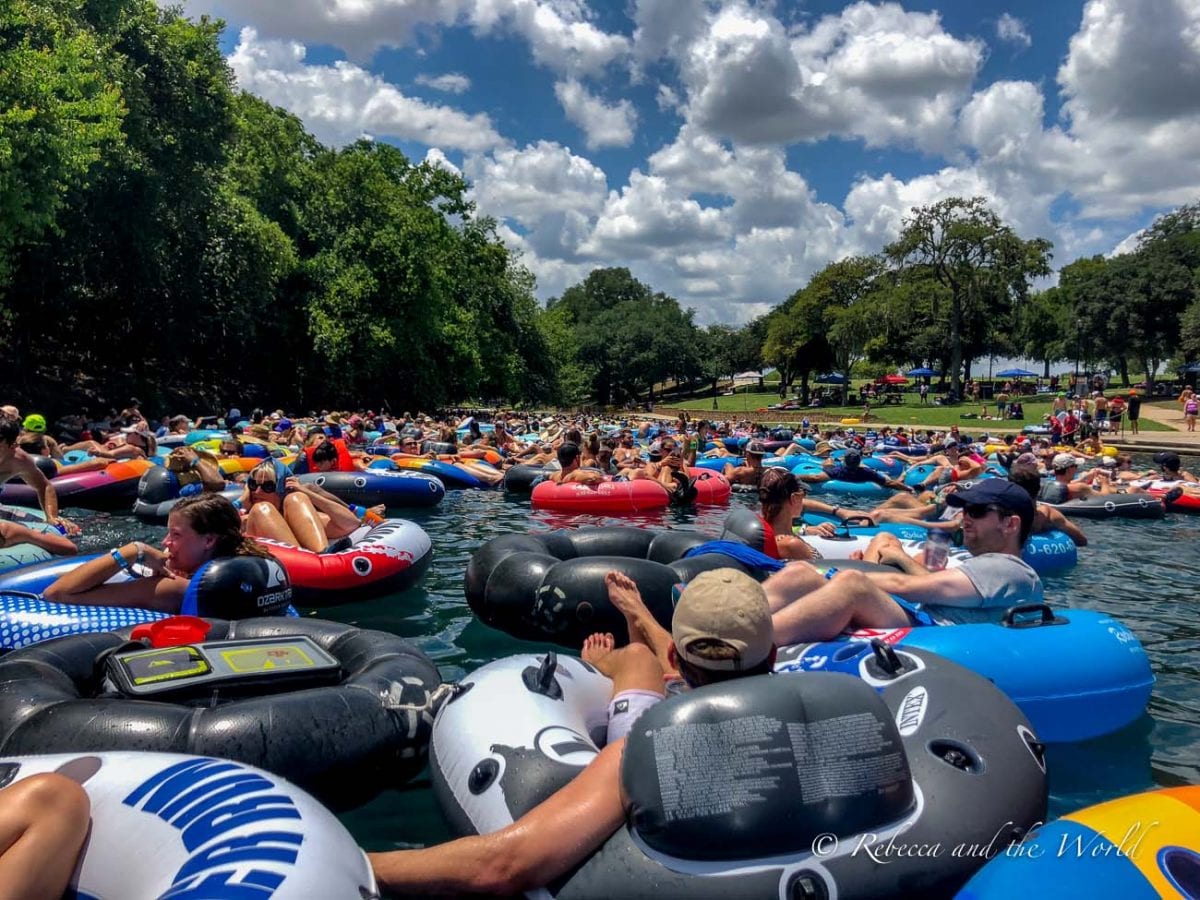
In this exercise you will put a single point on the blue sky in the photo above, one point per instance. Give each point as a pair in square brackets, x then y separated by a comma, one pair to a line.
[725, 151]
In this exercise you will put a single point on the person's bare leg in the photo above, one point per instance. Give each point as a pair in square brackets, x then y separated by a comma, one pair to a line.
[43, 823]
[305, 522]
[934, 477]
[849, 600]
[623, 593]
[791, 583]
[896, 501]
[631, 668]
[264, 520]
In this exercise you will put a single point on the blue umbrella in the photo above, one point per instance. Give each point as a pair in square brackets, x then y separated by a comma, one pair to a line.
[923, 373]
[1016, 373]
[1193, 367]
[831, 378]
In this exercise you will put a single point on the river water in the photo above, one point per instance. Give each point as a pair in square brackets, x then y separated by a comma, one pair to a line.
[1144, 573]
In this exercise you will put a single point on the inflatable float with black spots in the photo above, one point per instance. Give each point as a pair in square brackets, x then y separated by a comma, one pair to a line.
[760, 787]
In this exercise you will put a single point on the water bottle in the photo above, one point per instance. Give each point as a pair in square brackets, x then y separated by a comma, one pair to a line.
[937, 550]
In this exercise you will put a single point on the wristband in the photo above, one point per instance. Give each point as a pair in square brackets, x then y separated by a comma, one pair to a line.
[830, 572]
[120, 560]
[141, 552]
[358, 511]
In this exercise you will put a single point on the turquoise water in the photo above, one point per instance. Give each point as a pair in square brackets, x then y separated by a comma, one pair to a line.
[1144, 573]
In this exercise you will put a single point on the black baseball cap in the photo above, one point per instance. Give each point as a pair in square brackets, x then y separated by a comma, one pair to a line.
[1168, 458]
[999, 491]
[851, 458]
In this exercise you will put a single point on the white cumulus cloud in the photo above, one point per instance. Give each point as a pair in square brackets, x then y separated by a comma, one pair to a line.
[603, 125]
[1013, 31]
[343, 102]
[450, 82]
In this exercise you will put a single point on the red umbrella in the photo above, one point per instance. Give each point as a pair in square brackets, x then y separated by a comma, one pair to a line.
[894, 379]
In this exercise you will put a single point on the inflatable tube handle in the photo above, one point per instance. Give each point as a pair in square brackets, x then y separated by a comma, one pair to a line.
[864, 521]
[1047, 616]
[885, 657]
[541, 680]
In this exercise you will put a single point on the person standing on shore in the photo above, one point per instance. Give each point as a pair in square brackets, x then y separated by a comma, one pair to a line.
[1133, 409]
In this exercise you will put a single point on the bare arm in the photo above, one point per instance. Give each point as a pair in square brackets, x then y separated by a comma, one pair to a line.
[25, 468]
[545, 843]
[1055, 519]
[12, 534]
[949, 587]
[86, 584]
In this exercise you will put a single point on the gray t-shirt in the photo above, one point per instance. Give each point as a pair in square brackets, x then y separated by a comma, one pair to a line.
[1001, 580]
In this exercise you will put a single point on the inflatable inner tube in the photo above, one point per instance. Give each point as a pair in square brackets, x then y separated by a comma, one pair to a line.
[344, 739]
[217, 828]
[159, 490]
[607, 498]
[231, 587]
[374, 487]
[549, 586]
[1114, 506]
[1075, 673]
[112, 489]
[520, 479]
[1125, 855]
[376, 559]
[730, 785]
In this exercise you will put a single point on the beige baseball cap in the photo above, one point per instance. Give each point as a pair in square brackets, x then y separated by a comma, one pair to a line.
[723, 607]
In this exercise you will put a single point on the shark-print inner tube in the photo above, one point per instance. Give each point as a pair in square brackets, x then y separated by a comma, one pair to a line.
[549, 586]
[216, 828]
[732, 787]
[376, 559]
[343, 731]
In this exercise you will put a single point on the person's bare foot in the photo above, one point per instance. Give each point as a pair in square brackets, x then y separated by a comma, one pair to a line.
[596, 650]
[623, 593]
[856, 554]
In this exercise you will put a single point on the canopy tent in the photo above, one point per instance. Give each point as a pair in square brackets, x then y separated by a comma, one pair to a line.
[922, 373]
[893, 379]
[1016, 373]
[744, 376]
[1192, 367]
[831, 378]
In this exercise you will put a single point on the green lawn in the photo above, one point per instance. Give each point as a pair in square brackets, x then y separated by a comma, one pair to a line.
[911, 413]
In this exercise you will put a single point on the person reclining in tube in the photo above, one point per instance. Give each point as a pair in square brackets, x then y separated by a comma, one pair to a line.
[328, 455]
[572, 469]
[807, 605]
[16, 463]
[721, 630]
[199, 529]
[281, 507]
[850, 468]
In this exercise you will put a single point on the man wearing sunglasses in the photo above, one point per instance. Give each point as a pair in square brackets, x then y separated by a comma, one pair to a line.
[998, 517]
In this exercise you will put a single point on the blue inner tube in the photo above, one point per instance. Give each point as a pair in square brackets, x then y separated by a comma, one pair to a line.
[1075, 673]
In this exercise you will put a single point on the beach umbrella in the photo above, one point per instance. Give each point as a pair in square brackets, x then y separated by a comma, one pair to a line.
[831, 378]
[894, 379]
[922, 373]
[1193, 367]
[1016, 373]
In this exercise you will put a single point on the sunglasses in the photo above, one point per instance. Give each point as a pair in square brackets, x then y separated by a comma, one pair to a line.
[267, 487]
[980, 510]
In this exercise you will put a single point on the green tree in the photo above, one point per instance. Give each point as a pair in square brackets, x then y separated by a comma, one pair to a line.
[984, 266]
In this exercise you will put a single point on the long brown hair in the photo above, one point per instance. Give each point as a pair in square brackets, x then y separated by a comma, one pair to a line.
[775, 489]
[213, 514]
